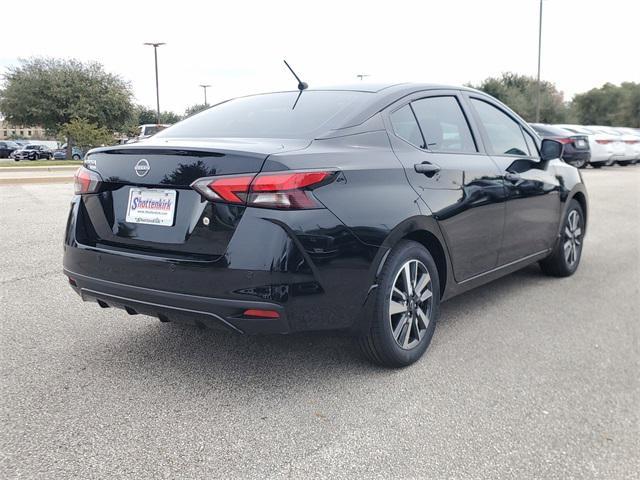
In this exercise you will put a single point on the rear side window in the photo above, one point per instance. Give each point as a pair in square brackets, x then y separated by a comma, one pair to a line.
[272, 115]
[406, 127]
[505, 134]
[443, 125]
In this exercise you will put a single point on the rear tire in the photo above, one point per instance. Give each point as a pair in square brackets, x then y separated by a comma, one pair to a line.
[407, 305]
[578, 163]
[565, 257]
[598, 164]
[624, 163]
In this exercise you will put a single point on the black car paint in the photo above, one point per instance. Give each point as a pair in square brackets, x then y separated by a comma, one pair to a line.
[316, 267]
[7, 148]
[572, 153]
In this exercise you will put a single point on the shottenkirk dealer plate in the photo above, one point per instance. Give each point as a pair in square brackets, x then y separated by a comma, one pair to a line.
[151, 206]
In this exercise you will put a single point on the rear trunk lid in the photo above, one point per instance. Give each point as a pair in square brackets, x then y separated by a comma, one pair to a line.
[146, 204]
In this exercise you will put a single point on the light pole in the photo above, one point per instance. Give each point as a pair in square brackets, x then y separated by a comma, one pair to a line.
[155, 55]
[204, 87]
[539, 53]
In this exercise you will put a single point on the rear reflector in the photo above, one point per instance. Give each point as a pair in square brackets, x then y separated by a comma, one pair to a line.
[281, 190]
[261, 313]
[86, 181]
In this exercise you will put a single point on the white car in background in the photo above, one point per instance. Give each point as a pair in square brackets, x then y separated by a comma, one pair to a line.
[632, 137]
[604, 147]
[624, 144]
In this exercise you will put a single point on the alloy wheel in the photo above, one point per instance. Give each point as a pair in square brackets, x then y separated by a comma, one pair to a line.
[572, 237]
[410, 304]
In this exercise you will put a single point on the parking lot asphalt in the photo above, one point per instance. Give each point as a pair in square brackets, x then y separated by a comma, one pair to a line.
[527, 377]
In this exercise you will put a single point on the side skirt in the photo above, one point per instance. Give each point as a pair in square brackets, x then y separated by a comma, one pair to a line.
[493, 274]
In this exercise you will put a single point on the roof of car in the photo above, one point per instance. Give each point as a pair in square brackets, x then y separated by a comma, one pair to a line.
[388, 88]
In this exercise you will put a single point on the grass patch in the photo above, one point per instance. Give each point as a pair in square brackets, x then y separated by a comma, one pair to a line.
[39, 163]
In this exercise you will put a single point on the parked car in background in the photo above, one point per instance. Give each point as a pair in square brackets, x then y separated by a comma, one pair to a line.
[61, 153]
[147, 130]
[32, 151]
[7, 147]
[601, 145]
[355, 209]
[576, 145]
[631, 137]
[624, 153]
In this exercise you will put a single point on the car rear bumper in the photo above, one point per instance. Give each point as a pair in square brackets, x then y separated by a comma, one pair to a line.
[316, 274]
[576, 155]
[179, 307]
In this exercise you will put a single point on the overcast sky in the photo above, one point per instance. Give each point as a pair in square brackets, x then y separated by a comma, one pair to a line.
[238, 46]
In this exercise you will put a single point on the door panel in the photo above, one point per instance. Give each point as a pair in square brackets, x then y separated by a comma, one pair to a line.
[463, 190]
[533, 192]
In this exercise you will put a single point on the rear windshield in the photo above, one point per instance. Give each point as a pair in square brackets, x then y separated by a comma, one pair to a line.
[271, 115]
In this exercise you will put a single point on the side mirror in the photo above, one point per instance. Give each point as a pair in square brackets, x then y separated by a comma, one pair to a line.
[551, 149]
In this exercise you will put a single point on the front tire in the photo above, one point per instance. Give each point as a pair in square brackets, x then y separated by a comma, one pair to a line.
[565, 257]
[407, 305]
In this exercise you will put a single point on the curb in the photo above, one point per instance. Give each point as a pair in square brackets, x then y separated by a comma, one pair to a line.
[25, 180]
[43, 168]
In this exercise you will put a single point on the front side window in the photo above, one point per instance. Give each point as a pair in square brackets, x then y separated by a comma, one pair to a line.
[505, 134]
[406, 127]
[531, 143]
[443, 125]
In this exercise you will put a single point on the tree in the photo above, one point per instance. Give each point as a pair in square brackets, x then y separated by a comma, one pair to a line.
[85, 134]
[193, 109]
[609, 105]
[519, 92]
[148, 115]
[53, 92]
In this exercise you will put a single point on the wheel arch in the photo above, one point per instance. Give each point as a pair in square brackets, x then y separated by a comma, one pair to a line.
[581, 198]
[424, 230]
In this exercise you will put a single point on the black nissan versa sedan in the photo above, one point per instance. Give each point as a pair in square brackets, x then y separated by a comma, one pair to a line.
[352, 208]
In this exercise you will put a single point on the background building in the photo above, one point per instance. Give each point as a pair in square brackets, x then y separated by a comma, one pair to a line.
[8, 131]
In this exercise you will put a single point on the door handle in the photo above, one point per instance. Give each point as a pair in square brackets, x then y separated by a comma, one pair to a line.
[512, 177]
[427, 168]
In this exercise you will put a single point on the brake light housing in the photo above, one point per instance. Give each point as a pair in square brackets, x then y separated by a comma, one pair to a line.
[86, 181]
[290, 190]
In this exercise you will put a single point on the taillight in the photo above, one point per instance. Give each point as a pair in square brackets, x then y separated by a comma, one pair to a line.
[563, 140]
[282, 190]
[631, 142]
[229, 189]
[604, 142]
[86, 181]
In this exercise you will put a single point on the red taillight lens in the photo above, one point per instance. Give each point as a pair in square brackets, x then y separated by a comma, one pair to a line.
[604, 142]
[564, 141]
[282, 190]
[631, 142]
[86, 181]
[231, 189]
[289, 190]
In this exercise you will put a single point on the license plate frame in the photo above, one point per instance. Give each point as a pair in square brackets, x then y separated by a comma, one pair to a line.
[151, 206]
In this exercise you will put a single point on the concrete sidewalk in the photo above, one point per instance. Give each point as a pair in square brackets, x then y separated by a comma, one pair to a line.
[40, 174]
